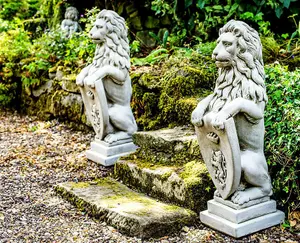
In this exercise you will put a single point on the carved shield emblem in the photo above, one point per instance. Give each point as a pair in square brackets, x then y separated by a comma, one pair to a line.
[221, 153]
[96, 108]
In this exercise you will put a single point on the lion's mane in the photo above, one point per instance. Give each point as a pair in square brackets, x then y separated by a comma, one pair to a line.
[246, 77]
[115, 49]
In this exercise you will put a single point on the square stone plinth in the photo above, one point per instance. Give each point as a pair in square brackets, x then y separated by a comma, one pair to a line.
[241, 222]
[132, 213]
[107, 154]
[241, 215]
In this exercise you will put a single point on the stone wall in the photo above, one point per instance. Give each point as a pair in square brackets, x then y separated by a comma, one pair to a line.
[58, 97]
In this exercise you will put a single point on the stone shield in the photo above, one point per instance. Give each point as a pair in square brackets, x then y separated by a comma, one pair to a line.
[96, 108]
[221, 153]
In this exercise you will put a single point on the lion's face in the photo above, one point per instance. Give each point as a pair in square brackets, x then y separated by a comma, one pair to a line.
[99, 31]
[225, 52]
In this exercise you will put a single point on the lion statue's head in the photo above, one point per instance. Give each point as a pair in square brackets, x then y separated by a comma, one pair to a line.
[238, 55]
[110, 34]
[71, 13]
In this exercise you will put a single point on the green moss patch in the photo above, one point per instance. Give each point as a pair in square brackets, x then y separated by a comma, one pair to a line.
[129, 211]
[188, 185]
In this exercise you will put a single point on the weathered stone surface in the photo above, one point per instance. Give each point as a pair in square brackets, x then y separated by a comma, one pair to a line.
[69, 84]
[168, 146]
[151, 22]
[66, 104]
[145, 38]
[136, 22]
[46, 87]
[184, 185]
[165, 20]
[130, 212]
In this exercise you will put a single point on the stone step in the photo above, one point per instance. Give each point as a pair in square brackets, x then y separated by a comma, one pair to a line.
[188, 185]
[167, 146]
[130, 212]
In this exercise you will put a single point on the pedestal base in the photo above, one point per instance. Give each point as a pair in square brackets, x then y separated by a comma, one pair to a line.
[108, 154]
[241, 222]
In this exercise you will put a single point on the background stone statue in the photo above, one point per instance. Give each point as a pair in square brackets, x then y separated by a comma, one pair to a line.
[105, 83]
[239, 94]
[70, 24]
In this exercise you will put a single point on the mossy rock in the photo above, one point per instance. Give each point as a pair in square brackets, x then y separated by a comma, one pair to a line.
[166, 94]
[69, 84]
[132, 213]
[175, 146]
[68, 105]
[189, 186]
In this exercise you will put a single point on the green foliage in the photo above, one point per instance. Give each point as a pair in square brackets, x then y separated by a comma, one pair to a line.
[154, 57]
[282, 125]
[204, 17]
[135, 47]
[15, 45]
[9, 9]
[53, 11]
[30, 61]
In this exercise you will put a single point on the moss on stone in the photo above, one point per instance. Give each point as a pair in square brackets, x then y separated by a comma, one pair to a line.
[79, 184]
[193, 173]
[166, 94]
[182, 185]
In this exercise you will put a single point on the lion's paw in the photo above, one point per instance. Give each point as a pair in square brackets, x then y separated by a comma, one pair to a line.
[114, 137]
[90, 82]
[197, 117]
[110, 138]
[240, 197]
[79, 81]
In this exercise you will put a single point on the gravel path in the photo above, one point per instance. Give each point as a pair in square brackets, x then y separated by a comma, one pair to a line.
[36, 155]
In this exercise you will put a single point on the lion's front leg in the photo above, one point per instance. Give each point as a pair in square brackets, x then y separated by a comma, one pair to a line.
[219, 120]
[198, 113]
[81, 76]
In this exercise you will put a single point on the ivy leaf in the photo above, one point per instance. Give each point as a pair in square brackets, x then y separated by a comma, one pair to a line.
[286, 3]
[200, 4]
[217, 7]
[191, 23]
[188, 3]
[278, 12]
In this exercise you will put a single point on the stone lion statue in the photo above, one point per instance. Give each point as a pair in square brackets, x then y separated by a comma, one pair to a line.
[240, 93]
[111, 67]
[70, 24]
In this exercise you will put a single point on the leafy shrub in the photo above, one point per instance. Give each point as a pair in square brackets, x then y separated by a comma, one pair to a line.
[203, 18]
[15, 45]
[29, 61]
[282, 141]
[9, 9]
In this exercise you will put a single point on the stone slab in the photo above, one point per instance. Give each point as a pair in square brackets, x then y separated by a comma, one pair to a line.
[241, 215]
[168, 146]
[182, 185]
[241, 229]
[130, 212]
[109, 155]
[245, 205]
